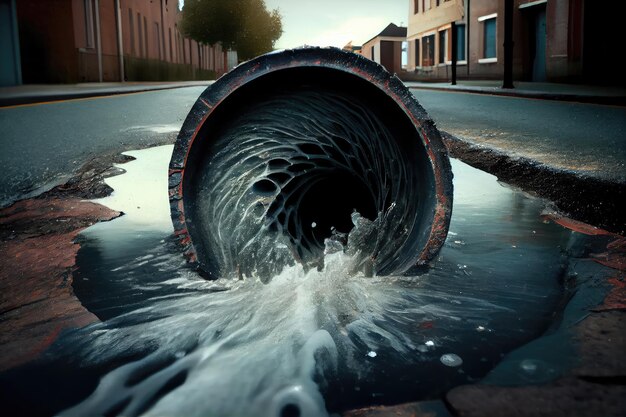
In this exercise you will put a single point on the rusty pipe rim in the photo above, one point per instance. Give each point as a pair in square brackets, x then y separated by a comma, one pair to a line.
[307, 80]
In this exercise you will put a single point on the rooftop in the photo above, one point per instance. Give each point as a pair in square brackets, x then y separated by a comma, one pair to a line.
[391, 31]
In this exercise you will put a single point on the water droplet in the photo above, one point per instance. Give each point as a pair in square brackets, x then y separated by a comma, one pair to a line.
[371, 354]
[313, 225]
[451, 359]
[480, 328]
[429, 343]
[529, 366]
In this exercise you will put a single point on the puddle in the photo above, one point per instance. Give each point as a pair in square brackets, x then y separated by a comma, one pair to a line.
[306, 344]
[154, 129]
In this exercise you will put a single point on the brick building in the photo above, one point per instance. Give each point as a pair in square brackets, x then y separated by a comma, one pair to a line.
[554, 40]
[386, 48]
[111, 40]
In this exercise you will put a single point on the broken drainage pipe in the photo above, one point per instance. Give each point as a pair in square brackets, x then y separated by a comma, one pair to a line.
[278, 155]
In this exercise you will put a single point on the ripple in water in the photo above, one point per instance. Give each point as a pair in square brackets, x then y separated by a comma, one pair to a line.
[314, 342]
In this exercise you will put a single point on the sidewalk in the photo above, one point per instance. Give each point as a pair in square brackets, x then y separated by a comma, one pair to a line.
[612, 95]
[38, 93]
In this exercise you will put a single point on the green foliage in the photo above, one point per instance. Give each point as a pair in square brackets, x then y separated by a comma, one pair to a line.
[242, 25]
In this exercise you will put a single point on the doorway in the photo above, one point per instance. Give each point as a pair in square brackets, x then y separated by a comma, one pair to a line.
[536, 42]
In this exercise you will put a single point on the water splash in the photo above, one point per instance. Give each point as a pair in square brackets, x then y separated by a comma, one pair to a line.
[258, 346]
[288, 170]
[302, 343]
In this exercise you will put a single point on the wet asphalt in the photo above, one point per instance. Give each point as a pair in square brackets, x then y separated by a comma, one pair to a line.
[588, 138]
[42, 145]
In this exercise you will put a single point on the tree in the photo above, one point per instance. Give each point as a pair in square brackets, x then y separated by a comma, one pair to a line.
[242, 25]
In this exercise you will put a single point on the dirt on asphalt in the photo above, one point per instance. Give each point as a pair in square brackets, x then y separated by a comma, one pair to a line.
[37, 240]
[588, 199]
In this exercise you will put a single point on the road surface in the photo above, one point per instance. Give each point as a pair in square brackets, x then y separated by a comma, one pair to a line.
[43, 144]
[588, 138]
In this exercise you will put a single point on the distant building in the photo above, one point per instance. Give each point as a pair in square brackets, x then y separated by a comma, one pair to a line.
[386, 48]
[429, 34]
[64, 41]
[554, 40]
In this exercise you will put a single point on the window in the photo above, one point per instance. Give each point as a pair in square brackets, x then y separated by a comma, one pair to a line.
[131, 26]
[140, 35]
[405, 54]
[417, 52]
[443, 46]
[428, 51]
[489, 38]
[158, 40]
[460, 43]
[437, 3]
[145, 34]
[89, 33]
[416, 6]
[373, 50]
[169, 30]
[177, 37]
[181, 47]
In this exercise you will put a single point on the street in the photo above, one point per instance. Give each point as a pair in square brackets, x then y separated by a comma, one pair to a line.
[574, 136]
[42, 145]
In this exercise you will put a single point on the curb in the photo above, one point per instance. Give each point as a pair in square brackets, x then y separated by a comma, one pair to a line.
[588, 199]
[576, 98]
[59, 96]
[35, 98]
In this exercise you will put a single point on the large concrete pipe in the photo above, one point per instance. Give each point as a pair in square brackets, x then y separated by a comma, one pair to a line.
[281, 154]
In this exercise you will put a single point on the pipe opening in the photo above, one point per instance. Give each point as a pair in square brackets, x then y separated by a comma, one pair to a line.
[286, 159]
[290, 410]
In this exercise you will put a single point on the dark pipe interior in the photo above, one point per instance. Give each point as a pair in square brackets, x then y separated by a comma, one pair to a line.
[330, 202]
[287, 158]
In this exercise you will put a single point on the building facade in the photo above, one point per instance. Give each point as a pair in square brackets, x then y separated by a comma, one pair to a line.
[386, 48]
[10, 67]
[111, 40]
[553, 40]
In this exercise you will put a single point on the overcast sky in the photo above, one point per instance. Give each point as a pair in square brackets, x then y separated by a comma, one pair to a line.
[336, 22]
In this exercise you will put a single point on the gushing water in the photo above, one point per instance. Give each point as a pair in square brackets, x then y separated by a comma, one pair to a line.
[307, 343]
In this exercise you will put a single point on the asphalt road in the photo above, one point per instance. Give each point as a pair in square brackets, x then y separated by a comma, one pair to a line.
[587, 138]
[42, 145]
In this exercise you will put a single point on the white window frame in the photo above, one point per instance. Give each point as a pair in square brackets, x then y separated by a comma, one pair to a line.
[482, 19]
[532, 3]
